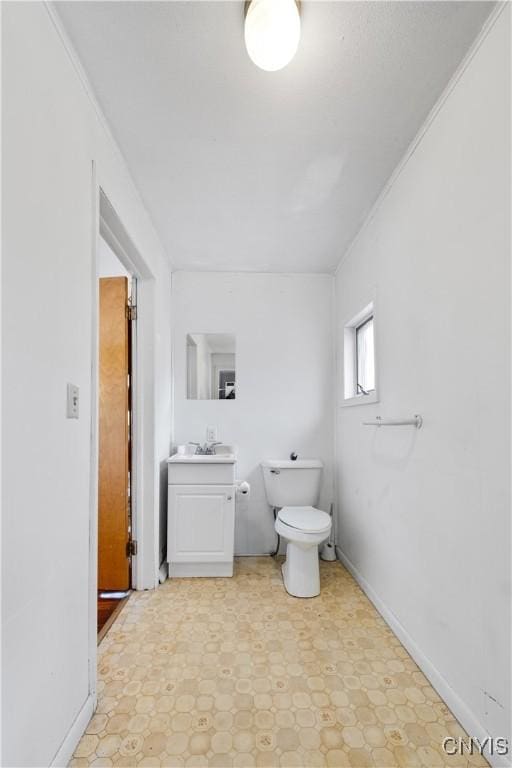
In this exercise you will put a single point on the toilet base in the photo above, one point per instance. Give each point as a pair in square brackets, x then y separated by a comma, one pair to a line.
[301, 570]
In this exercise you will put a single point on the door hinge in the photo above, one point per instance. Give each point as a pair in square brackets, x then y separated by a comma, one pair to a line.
[131, 548]
[131, 311]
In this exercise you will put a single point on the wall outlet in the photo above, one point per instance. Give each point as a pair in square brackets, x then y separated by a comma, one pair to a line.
[73, 402]
[211, 434]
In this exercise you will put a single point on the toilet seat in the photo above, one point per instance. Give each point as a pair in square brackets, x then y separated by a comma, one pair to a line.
[305, 519]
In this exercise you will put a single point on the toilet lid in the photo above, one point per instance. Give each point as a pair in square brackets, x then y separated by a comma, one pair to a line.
[307, 519]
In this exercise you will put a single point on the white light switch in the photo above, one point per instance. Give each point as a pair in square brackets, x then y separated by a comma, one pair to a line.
[211, 434]
[73, 402]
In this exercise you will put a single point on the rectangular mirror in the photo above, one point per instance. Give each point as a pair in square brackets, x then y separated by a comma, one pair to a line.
[211, 368]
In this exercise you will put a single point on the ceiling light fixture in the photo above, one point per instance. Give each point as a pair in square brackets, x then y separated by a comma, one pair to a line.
[272, 32]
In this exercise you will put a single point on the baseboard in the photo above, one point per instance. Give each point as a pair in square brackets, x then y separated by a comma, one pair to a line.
[75, 733]
[463, 714]
[200, 570]
[252, 554]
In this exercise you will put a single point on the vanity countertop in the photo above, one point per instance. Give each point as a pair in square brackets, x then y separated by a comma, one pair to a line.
[199, 458]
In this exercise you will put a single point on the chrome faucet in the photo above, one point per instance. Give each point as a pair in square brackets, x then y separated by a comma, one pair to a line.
[208, 449]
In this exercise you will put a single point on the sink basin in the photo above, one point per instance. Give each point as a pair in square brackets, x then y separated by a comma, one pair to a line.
[224, 449]
[203, 469]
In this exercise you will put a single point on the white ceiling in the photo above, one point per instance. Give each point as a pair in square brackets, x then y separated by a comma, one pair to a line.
[242, 169]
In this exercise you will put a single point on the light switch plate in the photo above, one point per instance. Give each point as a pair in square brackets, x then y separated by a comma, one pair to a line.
[211, 434]
[73, 402]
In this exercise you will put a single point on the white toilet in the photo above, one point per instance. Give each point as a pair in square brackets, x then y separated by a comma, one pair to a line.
[292, 487]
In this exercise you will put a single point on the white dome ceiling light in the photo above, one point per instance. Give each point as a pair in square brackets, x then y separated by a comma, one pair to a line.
[272, 32]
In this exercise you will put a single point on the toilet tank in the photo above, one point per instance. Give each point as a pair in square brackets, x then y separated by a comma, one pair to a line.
[292, 483]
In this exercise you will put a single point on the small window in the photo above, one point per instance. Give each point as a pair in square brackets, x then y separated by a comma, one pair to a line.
[365, 357]
[359, 356]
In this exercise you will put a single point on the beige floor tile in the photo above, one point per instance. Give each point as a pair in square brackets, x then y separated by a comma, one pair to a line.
[234, 673]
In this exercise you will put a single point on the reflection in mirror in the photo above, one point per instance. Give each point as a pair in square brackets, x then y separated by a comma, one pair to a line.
[211, 369]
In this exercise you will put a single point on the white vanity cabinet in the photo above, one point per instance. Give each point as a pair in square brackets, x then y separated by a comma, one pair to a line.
[201, 517]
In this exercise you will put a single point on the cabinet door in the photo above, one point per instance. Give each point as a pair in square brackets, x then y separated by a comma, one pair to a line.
[201, 523]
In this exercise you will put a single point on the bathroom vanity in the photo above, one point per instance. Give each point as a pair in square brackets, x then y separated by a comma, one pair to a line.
[201, 514]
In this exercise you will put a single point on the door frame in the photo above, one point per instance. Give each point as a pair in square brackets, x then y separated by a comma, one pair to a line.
[145, 474]
[111, 229]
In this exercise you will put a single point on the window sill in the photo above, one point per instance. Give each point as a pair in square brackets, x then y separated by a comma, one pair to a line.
[370, 399]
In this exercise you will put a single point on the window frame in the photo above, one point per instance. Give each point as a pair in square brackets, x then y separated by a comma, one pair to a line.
[350, 395]
[356, 349]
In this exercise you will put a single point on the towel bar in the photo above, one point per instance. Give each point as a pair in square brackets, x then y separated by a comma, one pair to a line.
[416, 421]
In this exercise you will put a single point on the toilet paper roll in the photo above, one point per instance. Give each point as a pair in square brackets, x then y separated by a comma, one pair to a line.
[244, 488]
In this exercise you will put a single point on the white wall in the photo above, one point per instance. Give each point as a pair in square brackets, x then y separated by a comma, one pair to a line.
[284, 377]
[51, 138]
[424, 517]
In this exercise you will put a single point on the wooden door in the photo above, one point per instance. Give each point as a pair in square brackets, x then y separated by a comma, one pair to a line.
[114, 403]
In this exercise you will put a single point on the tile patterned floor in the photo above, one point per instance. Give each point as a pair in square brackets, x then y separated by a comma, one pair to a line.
[236, 673]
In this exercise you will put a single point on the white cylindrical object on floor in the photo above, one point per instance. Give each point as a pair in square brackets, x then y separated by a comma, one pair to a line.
[162, 573]
[327, 551]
